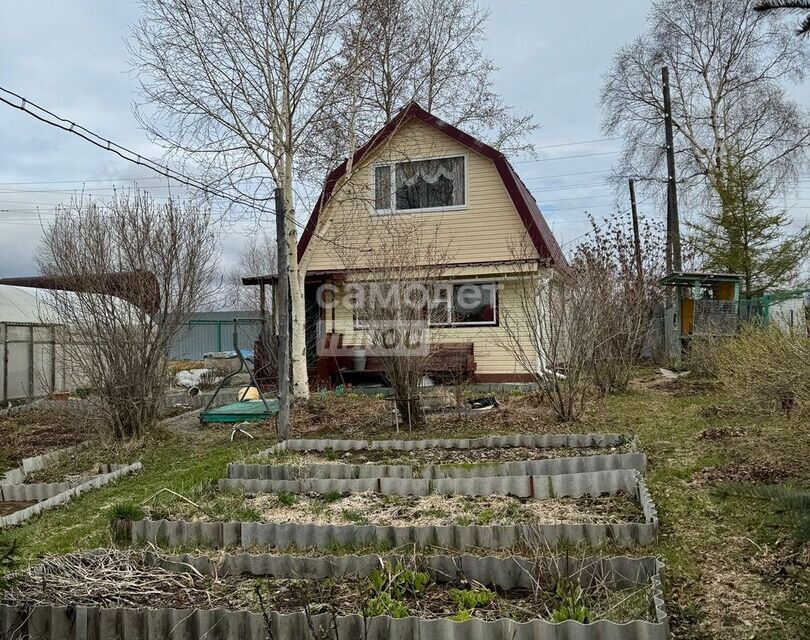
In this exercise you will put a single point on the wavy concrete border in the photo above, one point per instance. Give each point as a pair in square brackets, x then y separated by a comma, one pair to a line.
[62, 497]
[569, 485]
[29, 465]
[337, 470]
[175, 533]
[546, 440]
[45, 490]
[83, 623]
[549, 466]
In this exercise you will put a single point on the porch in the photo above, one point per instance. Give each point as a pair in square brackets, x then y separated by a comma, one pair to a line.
[331, 353]
[340, 363]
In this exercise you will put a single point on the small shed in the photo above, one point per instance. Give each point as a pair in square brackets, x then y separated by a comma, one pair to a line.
[706, 303]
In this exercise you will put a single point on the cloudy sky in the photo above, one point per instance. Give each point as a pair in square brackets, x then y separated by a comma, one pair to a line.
[71, 57]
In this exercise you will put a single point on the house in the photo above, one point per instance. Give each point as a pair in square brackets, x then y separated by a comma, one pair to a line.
[422, 177]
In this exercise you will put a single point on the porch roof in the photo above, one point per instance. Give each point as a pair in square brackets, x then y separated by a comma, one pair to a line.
[451, 270]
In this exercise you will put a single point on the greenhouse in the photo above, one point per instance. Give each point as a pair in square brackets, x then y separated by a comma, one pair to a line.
[33, 362]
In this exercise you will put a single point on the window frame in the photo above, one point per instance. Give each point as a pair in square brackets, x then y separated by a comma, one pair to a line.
[495, 284]
[359, 324]
[392, 210]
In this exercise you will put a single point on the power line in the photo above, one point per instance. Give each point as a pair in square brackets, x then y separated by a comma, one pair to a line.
[82, 181]
[571, 144]
[561, 175]
[590, 231]
[131, 156]
[582, 155]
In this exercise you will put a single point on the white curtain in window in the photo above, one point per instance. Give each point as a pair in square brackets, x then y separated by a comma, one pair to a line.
[428, 175]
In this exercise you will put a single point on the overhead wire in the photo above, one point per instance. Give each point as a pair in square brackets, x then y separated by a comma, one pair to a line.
[136, 158]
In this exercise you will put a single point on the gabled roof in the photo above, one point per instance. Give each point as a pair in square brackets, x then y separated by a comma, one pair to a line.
[525, 204]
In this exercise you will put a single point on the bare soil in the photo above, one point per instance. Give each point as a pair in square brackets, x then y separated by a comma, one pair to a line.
[12, 506]
[436, 456]
[401, 511]
[359, 416]
[37, 431]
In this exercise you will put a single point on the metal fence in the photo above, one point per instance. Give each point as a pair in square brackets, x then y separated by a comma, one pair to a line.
[790, 311]
[34, 361]
[213, 331]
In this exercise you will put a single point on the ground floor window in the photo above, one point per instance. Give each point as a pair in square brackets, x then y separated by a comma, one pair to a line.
[445, 304]
[465, 304]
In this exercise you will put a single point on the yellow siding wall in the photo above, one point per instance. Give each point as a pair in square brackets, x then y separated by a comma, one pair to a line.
[487, 229]
[490, 354]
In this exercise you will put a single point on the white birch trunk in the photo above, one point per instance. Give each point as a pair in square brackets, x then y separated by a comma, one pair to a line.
[298, 353]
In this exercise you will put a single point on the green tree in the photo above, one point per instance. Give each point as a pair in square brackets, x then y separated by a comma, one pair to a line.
[787, 5]
[743, 233]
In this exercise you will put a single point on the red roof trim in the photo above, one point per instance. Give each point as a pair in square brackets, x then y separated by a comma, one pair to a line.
[526, 206]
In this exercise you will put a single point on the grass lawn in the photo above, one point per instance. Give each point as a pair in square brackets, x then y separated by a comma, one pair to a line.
[733, 570]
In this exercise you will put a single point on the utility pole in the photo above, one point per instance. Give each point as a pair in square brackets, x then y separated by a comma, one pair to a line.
[636, 236]
[283, 301]
[673, 223]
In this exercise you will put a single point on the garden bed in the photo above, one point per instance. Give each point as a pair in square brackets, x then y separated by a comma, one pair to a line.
[561, 485]
[31, 431]
[371, 508]
[7, 507]
[580, 508]
[458, 458]
[33, 498]
[86, 595]
[431, 456]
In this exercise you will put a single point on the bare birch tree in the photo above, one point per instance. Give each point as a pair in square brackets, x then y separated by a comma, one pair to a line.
[728, 66]
[423, 51]
[238, 87]
[127, 274]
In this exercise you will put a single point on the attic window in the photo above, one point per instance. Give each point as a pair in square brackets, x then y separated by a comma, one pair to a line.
[419, 185]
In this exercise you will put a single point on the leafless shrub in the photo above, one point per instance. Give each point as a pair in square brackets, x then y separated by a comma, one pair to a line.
[551, 332]
[584, 329]
[626, 291]
[764, 368]
[704, 345]
[128, 273]
[397, 302]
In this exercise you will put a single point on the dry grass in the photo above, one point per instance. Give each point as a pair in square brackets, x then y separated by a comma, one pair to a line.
[766, 369]
[126, 579]
[37, 431]
[359, 416]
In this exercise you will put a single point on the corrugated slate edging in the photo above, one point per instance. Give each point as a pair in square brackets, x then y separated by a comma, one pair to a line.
[45, 490]
[336, 470]
[578, 464]
[174, 533]
[85, 623]
[29, 465]
[569, 485]
[552, 440]
[10, 492]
